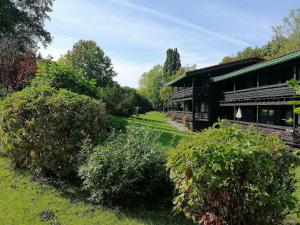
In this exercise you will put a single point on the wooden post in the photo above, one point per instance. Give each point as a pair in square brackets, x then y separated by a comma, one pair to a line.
[294, 116]
[193, 103]
[234, 103]
[257, 97]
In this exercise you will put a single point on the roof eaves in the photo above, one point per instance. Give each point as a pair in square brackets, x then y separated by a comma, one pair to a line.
[257, 66]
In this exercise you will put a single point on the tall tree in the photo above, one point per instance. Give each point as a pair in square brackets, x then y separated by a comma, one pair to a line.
[172, 63]
[150, 84]
[21, 30]
[91, 59]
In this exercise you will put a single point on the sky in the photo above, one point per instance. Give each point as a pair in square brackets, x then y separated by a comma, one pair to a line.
[135, 34]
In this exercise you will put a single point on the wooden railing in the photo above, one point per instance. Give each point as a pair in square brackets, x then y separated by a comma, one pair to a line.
[288, 134]
[189, 92]
[180, 114]
[270, 91]
[185, 93]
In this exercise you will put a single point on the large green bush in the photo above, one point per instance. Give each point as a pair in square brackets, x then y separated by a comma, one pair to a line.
[128, 169]
[43, 128]
[233, 176]
[63, 75]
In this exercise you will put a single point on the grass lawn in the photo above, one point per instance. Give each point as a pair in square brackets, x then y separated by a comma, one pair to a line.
[158, 121]
[22, 199]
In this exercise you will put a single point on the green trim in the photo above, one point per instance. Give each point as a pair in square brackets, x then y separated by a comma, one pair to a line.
[206, 70]
[257, 66]
[177, 79]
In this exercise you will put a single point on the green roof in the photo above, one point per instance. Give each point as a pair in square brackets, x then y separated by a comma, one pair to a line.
[257, 66]
[206, 70]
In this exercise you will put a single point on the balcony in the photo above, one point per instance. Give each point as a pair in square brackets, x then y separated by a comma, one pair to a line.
[260, 93]
[287, 134]
[188, 93]
[198, 116]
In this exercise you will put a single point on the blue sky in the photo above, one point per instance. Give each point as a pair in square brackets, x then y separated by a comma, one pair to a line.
[135, 34]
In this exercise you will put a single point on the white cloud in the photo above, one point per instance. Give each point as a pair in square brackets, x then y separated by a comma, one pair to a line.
[182, 22]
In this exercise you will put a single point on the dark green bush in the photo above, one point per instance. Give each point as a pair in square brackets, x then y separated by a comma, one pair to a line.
[62, 75]
[43, 128]
[128, 169]
[233, 176]
[124, 101]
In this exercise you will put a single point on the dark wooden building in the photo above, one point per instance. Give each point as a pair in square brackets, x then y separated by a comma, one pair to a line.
[248, 92]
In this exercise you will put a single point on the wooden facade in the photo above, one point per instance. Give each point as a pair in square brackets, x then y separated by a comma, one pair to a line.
[250, 92]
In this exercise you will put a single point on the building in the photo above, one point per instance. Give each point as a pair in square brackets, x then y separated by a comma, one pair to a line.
[248, 92]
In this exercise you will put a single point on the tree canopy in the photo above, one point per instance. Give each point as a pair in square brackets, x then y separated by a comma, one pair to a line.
[150, 84]
[21, 30]
[286, 38]
[172, 63]
[91, 59]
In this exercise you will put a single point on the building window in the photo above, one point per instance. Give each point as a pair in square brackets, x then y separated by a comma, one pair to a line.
[204, 107]
[267, 116]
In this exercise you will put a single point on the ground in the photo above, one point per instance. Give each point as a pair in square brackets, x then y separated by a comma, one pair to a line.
[22, 200]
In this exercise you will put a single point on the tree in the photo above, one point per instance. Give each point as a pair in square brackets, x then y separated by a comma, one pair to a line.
[21, 29]
[150, 84]
[172, 63]
[25, 19]
[286, 38]
[91, 59]
[166, 91]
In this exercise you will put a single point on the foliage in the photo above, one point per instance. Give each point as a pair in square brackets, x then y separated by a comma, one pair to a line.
[124, 100]
[25, 19]
[63, 75]
[91, 59]
[21, 29]
[150, 84]
[285, 39]
[165, 91]
[129, 168]
[172, 63]
[44, 128]
[233, 176]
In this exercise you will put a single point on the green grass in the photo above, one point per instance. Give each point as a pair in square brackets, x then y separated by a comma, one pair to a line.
[22, 199]
[170, 135]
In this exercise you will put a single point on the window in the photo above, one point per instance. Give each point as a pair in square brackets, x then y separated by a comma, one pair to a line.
[204, 107]
[267, 116]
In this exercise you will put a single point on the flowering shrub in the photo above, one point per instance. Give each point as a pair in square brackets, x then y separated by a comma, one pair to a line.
[233, 176]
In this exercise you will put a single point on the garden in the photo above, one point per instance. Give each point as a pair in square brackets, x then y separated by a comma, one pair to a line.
[76, 147]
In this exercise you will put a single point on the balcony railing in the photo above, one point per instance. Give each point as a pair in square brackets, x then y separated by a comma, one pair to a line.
[198, 116]
[188, 93]
[270, 91]
[288, 134]
[185, 93]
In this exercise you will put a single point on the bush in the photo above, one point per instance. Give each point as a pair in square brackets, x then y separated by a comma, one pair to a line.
[129, 168]
[44, 128]
[124, 101]
[233, 176]
[62, 75]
